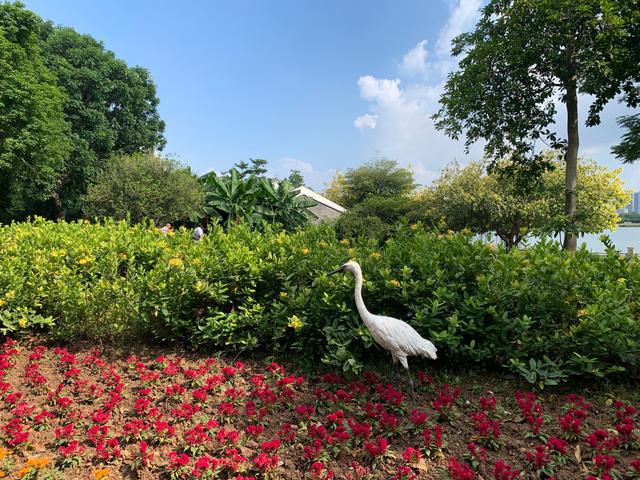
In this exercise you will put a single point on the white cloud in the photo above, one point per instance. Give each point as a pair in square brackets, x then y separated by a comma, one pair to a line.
[404, 130]
[414, 61]
[461, 19]
[295, 164]
[383, 91]
[365, 121]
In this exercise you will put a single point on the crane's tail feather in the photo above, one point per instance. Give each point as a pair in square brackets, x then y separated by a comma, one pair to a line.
[429, 350]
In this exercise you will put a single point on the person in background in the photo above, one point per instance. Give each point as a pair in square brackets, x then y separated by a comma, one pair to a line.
[197, 233]
[166, 229]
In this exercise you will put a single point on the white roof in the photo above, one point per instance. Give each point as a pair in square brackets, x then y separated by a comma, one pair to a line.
[307, 192]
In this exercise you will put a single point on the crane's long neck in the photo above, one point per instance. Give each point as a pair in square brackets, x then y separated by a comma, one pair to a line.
[362, 310]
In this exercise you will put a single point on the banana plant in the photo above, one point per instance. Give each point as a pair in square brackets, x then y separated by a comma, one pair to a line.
[232, 199]
[289, 209]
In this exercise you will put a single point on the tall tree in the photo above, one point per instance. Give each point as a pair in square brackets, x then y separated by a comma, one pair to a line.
[145, 185]
[522, 56]
[334, 190]
[33, 133]
[628, 150]
[111, 109]
[296, 178]
[377, 178]
[257, 168]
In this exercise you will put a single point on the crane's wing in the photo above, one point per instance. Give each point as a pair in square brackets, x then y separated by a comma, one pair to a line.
[400, 338]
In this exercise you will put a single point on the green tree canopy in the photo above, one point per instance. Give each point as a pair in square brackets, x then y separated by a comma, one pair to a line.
[111, 109]
[33, 132]
[628, 150]
[469, 198]
[377, 217]
[145, 185]
[256, 167]
[377, 178]
[523, 55]
[296, 178]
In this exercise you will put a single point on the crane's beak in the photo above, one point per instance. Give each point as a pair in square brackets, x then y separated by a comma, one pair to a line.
[338, 270]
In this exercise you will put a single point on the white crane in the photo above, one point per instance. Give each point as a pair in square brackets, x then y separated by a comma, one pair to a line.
[394, 335]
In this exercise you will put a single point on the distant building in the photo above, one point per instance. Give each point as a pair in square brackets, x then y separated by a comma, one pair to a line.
[325, 209]
[636, 203]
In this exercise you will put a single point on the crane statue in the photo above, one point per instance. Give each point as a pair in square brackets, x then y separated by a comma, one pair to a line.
[394, 335]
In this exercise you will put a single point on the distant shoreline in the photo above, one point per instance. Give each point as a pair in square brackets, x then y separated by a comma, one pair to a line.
[629, 224]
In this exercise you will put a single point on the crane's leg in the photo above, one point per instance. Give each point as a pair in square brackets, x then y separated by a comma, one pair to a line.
[405, 364]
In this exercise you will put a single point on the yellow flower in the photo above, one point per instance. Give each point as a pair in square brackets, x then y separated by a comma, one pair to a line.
[323, 244]
[84, 260]
[283, 294]
[10, 294]
[22, 322]
[39, 462]
[101, 473]
[175, 262]
[394, 282]
[4, 452]
[23, 471]
[305, 251]
[583, 312]
[196, 261]
[344, 241]
[413, 226]
[2, 302]
[621, 280]
[295, 322]
[375, 255]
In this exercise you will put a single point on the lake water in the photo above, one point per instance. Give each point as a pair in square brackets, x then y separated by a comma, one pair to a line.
[622, 238]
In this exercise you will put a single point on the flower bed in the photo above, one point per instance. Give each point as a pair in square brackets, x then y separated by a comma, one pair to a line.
[80, 413]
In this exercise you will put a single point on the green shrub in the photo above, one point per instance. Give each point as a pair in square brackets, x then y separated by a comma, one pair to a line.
[269, 290]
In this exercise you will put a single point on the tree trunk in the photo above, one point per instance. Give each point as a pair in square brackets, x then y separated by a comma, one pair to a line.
[57, 210]
[571, 161]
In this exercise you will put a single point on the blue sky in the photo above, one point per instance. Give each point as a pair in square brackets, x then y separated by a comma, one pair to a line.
[316, 86]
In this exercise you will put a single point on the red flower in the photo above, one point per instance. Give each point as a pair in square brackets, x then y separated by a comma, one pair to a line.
[319, 471]
[604, 462]
[504, 471]
[411, 455]
[178, 460]
[266, 462]
[558, 445]
[377, 448]
[254, 430]
[460, 471]
[418, 417]
[538, 458]
[271, 446]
